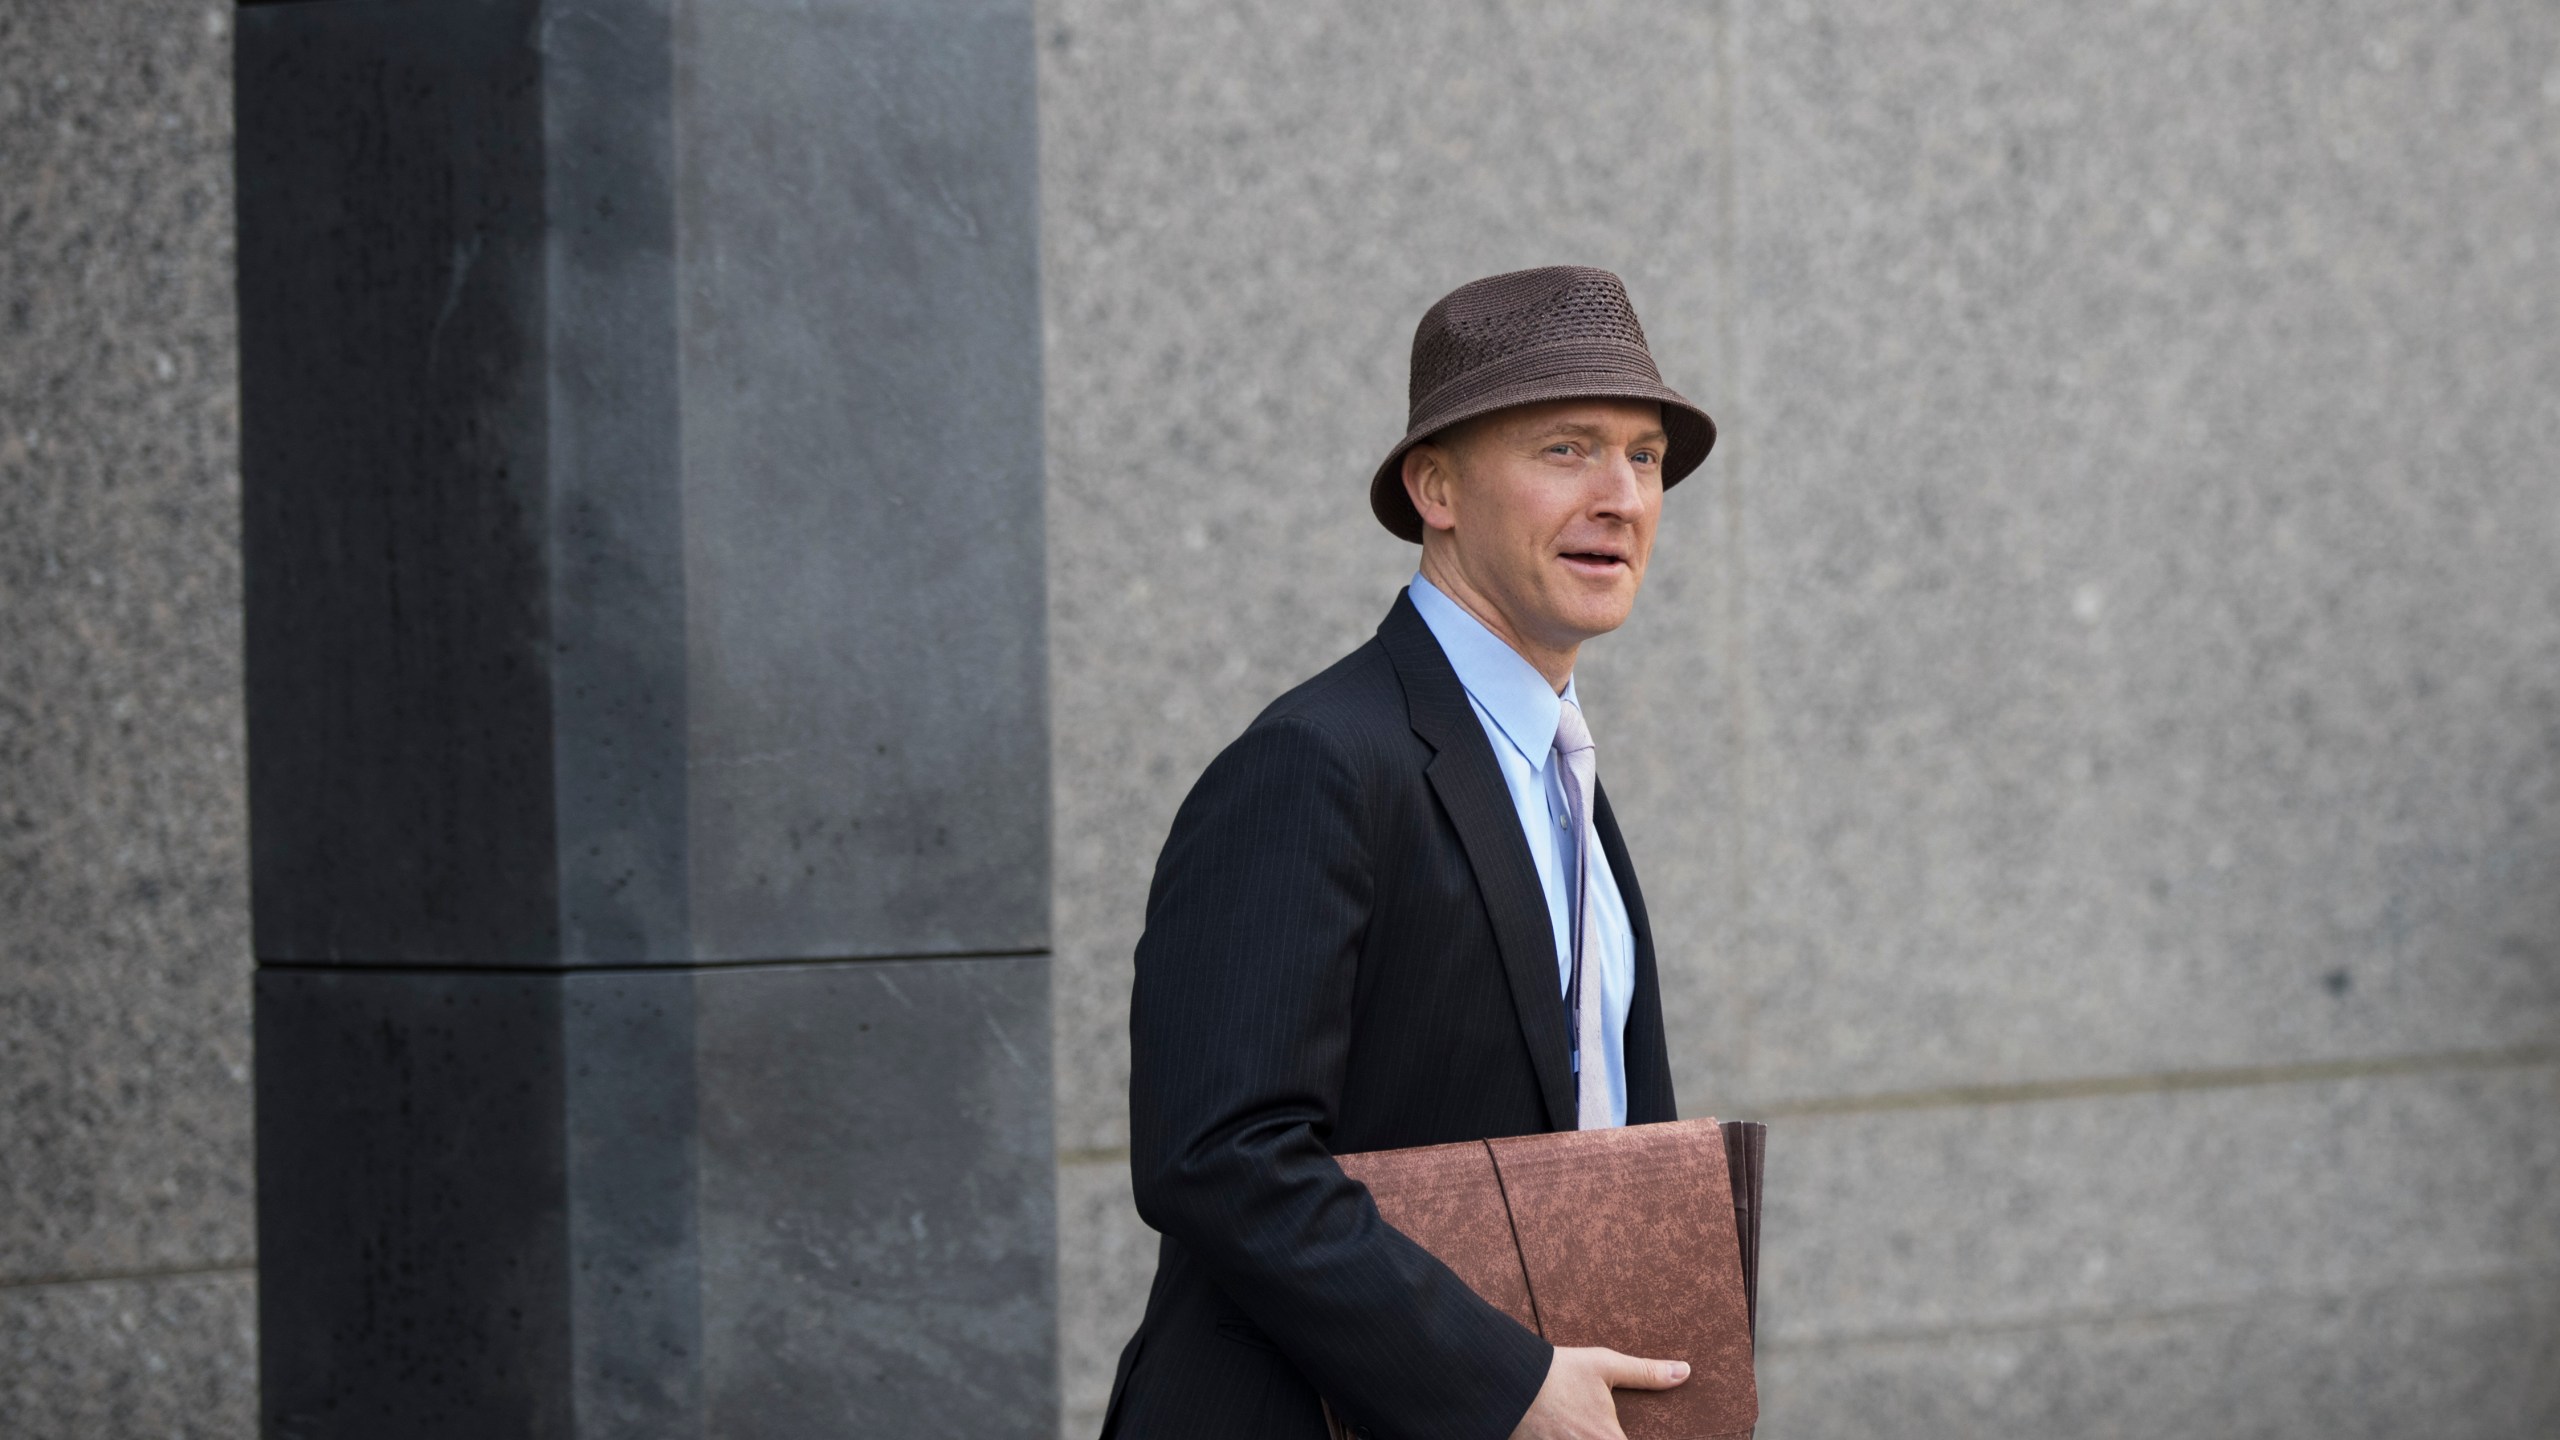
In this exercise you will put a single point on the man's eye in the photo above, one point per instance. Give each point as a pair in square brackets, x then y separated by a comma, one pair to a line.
[1646, 457]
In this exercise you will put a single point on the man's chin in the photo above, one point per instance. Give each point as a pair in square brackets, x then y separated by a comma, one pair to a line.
[1593, 615]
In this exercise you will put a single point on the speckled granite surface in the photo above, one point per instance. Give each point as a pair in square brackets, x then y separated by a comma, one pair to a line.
[175, 1357]
[124, 959]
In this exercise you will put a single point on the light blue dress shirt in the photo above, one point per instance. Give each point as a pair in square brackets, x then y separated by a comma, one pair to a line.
[1518, 710]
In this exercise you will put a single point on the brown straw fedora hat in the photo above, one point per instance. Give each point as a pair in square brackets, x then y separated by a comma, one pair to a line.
[1565, 332]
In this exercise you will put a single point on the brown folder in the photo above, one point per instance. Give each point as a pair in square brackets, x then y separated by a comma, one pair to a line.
[1644, 1239]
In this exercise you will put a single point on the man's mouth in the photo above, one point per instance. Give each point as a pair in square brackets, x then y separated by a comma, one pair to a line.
[1594, 560]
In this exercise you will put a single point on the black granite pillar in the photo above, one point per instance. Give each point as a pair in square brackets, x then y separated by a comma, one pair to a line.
[648, 756]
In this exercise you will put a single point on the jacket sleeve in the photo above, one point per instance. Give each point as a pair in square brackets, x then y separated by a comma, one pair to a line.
[1239, 1027]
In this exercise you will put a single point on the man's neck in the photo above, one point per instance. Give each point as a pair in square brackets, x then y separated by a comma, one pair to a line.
[1446, 576]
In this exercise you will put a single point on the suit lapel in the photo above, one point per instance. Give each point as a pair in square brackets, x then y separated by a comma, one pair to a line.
[1648, 1054]
[1464, 774]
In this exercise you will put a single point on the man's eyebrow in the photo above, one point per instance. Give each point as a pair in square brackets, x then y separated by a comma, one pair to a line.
[1581, 429]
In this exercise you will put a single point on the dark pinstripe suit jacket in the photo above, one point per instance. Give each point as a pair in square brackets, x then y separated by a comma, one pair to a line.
[1346, 949]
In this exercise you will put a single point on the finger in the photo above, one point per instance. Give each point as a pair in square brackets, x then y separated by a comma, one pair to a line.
[1627, 1372]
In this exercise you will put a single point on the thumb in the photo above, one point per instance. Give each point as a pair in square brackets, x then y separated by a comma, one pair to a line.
[1626, 1372]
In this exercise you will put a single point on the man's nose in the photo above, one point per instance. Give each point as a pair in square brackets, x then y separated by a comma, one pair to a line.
[1619, 491]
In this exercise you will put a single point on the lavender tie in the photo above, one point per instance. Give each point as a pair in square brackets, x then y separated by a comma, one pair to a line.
[1590, 1056]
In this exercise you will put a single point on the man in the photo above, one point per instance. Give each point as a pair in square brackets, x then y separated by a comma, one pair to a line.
[1397, 911]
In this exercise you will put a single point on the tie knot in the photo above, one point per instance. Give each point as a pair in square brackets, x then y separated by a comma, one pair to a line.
[1572, 734]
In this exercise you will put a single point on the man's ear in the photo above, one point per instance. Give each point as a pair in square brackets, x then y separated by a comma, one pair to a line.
[1431, 482]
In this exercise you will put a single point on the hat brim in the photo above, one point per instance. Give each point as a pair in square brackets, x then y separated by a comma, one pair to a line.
[1689, 431]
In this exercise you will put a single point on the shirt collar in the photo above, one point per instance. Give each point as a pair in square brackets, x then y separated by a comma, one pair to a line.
[1523, 706]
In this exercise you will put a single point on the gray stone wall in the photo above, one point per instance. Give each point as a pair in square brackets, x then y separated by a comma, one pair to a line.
[2092, 738]
[127, 1285]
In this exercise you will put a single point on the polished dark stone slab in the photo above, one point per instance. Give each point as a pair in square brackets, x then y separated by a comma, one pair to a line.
[647, 710]
[878, 1200]
[755, 1201]
[394, 511]
[642, 481]
[414, 1260]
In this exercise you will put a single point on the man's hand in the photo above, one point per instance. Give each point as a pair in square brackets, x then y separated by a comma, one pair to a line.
[1575, 1403]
